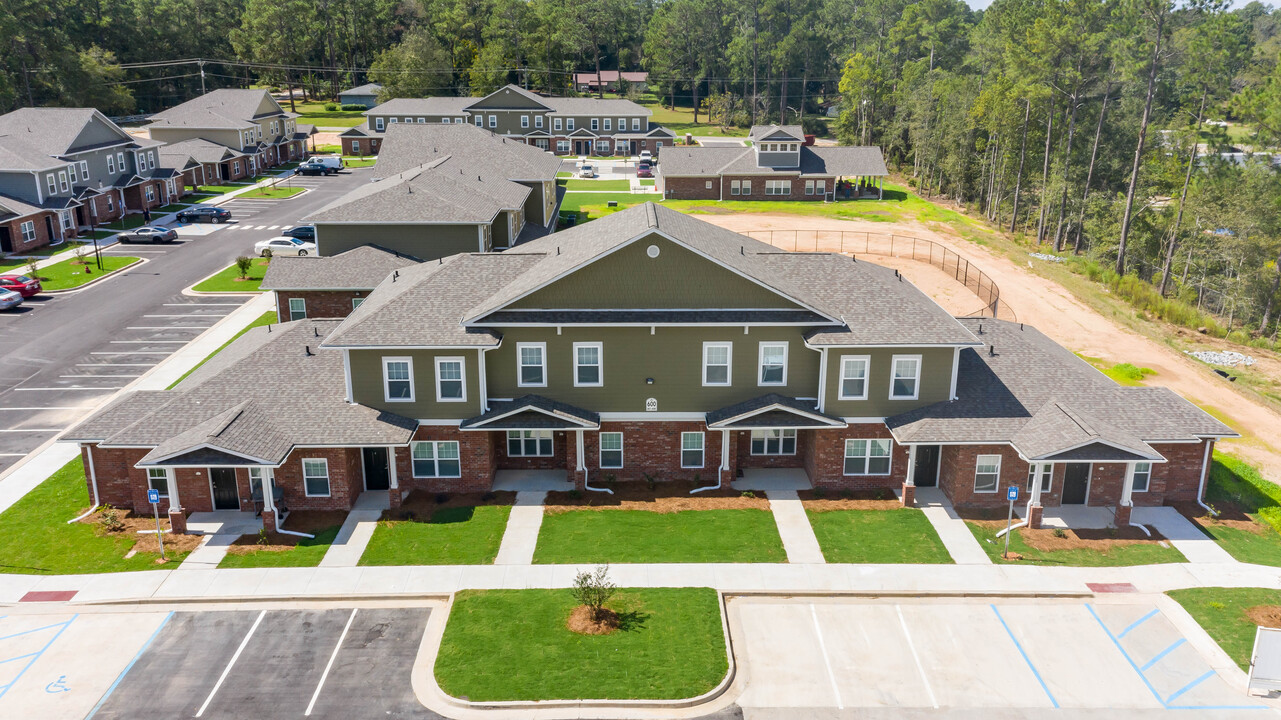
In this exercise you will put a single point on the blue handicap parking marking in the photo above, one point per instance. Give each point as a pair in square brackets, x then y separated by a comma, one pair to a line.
[1036, 673]
[57, 686]
[20, 650]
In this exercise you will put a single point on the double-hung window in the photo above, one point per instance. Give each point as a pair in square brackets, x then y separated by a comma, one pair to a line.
[480, 121]
[611, 450]
[111, 165]
[608, 123]
[84, 170]
[62, 181]
[28, 230]
[562, 146]
[444, 121]
[987, 473]
[1142, 476]
[120, 160]
[622, 124]
[555, 123]
[531, 364]
[775, 441]
[158, 480]
[595, 124]
[53, 184]
[905, 382]
[529, 443]
[735, 186]
[778, 187]
[569, 123]
[867, 457]
[524, 121]
[691, 449]
[538, 121]
[809, 187]
[355, 302]
[436, 459]
[315, 477]
[493, 121]
[73, 173]
[449, 380]
[1047, 475]
[297, 308]
[423, 119]
[854, 377]
[255, 481]
[773, 364]
[589, 370]
[398, 379]
[716, 363]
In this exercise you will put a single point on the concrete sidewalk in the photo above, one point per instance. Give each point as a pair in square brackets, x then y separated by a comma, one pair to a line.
[521, 535]
[794, 527]
[951, 529]
[357, 530]
[1182, 534]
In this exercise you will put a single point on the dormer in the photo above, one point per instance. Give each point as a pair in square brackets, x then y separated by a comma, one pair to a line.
[777, 146]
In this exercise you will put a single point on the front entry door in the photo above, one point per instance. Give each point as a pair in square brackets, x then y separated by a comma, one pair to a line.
[1076, 483]
[377, 476]
[927, 466]
[225, 495]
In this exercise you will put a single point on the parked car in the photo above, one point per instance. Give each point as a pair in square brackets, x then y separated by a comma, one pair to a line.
[9, 299]
[646, 157]
[302, 232]
[284, 246]
[587, 171]
[644, 170]
[24, 285]
[204, 213]
[149, 233]
[314, 168]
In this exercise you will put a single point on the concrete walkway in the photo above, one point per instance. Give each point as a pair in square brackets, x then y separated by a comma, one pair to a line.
[211, 552]
[523, 524]
[356, 530]
[1195, 545]
[952, 530]
[794, 527]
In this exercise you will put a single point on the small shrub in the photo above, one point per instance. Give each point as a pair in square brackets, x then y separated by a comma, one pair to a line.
[575, 493]
[110, 520]
[331, 106]
[747, 494]
[594, 589]
[262, 536]
[409, 515]
[354, 107]
[442, 498]
[820, 493]
[1060, 533]
[1216, 604]
[243, 264]
[489, 496]
[33, 268]
[650, 482]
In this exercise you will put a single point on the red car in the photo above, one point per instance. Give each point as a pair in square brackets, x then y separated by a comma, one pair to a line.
[21, 284]
[643, 171]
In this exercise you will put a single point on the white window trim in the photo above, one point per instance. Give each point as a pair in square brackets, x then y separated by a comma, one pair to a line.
[1133, 470]
[301, 301]
[555, 123]
[867, 458]
[765, 452]
[867, 372]
[493, 121]
[379, 123]
[520, 376]
[28, 230]
[600, 364]
[328, 481]
[84, 170]
[462, 372]
[168, 476]
[702, 450]
[996, 487]
[387, 381]
[760, 364]
[729, 364]
[1047, 477]
[524, 121]
[435, 458]
[600, 457]
[537, 437]
[916, 390]
[356, 301]
[538, 121]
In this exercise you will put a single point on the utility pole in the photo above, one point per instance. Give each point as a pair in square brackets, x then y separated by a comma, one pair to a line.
[202, 77]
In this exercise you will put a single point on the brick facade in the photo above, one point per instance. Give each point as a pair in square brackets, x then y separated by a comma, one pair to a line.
[320, 303]
[16, 242]
[368, 146]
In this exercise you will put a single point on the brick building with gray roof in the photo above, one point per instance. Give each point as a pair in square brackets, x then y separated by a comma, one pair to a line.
[646, 345]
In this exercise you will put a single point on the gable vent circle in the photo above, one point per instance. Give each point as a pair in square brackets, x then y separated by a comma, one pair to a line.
[652, 251]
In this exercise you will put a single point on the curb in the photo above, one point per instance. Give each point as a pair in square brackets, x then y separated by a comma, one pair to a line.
[95, 281]
[190, 290]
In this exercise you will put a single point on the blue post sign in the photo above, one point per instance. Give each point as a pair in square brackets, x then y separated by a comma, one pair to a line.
[1011, 494]
[153, 497]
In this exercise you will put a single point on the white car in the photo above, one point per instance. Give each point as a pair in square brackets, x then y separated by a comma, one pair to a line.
[587, 171]
[284, 246]
[646, 157]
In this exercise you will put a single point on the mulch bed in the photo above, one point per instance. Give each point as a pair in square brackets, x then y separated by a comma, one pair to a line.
[1230, 515]
[1268, 616]
[825, 500]
[668, 496]
[420, 504]
[312, 522]
[1045, 539]
[581, 621]
[133, 523]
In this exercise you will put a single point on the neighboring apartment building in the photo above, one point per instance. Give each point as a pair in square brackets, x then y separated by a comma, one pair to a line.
[366, 95]
[63, 169]
[250, 122]
[646, 344]
[330, 287]
[445, 189]
[563, 126]
[779, 165]
[201, 162]
[608, 79]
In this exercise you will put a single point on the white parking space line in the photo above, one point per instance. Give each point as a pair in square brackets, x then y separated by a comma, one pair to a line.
[330, 664]
[76, 377]
[230, 663]
[201, 304]
[275, 227]
[135, 352]
[925, 679]
[146, 342]
[114, 364]
[827, 662]
[51, 407]
[215, 316]
[69, 387]
[30, 430]
[168, 327]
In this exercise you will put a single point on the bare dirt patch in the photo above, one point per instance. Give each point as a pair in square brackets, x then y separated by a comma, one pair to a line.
[669, 496]
[312, 522]
[823, 501]
[583, 622]
[1268, 616]
[1055, 539]
[1230, 516]
[134, 524]
[420, 505]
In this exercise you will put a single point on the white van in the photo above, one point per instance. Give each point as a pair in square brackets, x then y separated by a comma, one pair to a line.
[334, 162]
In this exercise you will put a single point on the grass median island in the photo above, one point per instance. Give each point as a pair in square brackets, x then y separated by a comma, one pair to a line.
[38, 540]
[281, 550]
[1231, 615]
[443, 529]
[515, 645]
[359, 161]
[228, 280]
[1249, 510]
[72, 273]
[275, 192]
[266, 318]
[584, 185]
[664, 525]
[873, 531]
[1111, 547]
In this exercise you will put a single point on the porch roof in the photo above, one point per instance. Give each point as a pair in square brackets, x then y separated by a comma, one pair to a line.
[532, 412]
[771, 411]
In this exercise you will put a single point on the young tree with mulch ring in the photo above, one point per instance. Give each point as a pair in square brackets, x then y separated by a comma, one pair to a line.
[593, 590]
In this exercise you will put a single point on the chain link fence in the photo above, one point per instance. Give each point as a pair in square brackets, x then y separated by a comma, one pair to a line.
[848, 242]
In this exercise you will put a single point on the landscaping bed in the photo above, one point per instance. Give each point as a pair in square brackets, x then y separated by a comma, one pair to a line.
[1231, 615]
[281, 550]
[1108, 547]
[72, 273]
[893, 535]
[38, 540]
[1249, 510]
[516, 645]
[443, 529]
[228, 280]
[663, 525]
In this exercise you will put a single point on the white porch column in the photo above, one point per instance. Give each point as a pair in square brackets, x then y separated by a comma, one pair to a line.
[578, 454]
[268, 501]
[392, 480]
[725, 449]
[1127, 488]
[1037, 470]
[911, 465]
[174, 501]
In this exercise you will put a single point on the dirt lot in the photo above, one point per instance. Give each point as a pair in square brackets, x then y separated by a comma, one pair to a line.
[1057, 313]
[665, 497]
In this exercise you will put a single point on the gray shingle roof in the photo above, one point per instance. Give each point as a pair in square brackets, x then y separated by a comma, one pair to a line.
[1032, 377]
[361, 268]
[422, 106]
[759, 132]
[772, 410]
[822, 161]
[479, 151]
[224, 108]
[256, 399]
[594, 106]
[36, 135]
[366, 89]
[532, 412]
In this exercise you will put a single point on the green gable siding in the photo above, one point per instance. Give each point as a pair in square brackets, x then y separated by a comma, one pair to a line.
[425, 242]
[367, 383]
[677, 279]
[505, 98]
[936, 381]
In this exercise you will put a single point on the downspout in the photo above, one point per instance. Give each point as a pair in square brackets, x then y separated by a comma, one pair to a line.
[93, 479]
[1033, 497]
[582, 466]
[1205, 473]
[269, 502]
[720, 470]
[1127, 496]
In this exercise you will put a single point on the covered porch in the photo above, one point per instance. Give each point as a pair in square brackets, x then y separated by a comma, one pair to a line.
[859, 187]
[538, 442]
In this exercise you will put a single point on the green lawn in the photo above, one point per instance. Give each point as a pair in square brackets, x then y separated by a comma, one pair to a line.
[563, 174]
[513, 645]
[1222, 614]
[877, 536]
[39, 541]
[1116, 556]
[307, 553]
[266, 318]
[276, 192]
[65, 276]
[453, 536]
[170, 208]
[128, 222]
[1237, 489]
[218, 189]
[582, 185]
[642, 536]
[314, 113]
[589, 206]
[327, 150]
[228, 279]
[359, 161]
[647, 182]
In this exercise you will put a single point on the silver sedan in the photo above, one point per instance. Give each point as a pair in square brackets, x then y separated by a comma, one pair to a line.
[284, 246]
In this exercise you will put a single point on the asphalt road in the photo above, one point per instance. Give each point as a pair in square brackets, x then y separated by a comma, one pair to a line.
[62, 355]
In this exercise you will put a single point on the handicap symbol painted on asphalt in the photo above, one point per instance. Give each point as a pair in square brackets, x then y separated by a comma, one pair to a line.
[57, 686]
